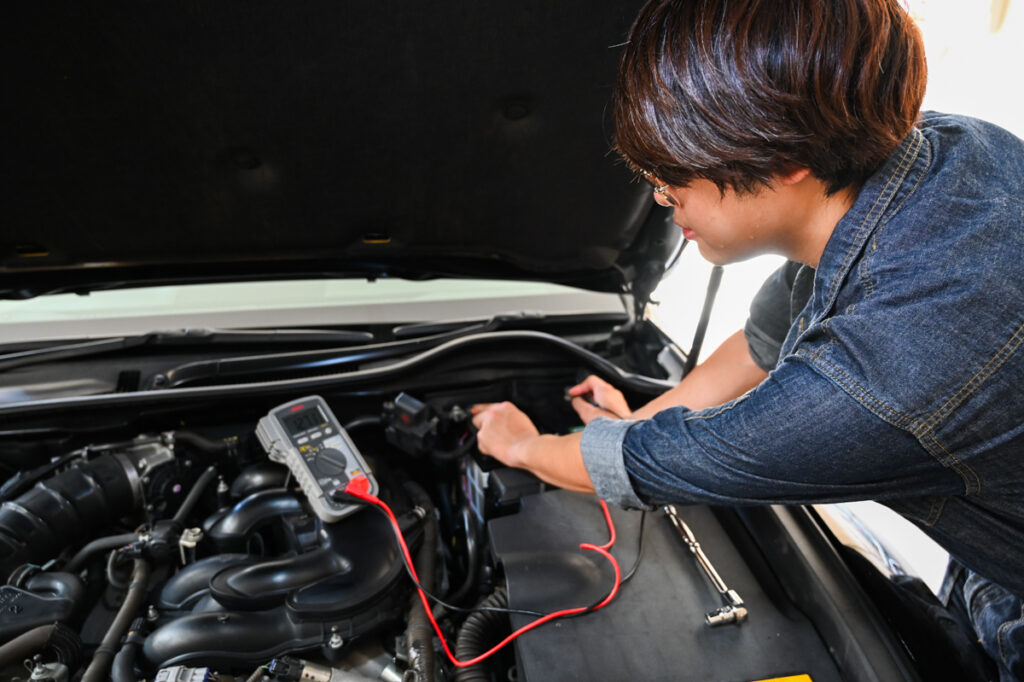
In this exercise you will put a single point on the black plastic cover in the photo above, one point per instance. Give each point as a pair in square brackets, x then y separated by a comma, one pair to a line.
[48, 598]
[655, 628]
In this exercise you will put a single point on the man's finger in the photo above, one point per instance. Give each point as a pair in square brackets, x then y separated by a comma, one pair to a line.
[480, 407]
[580, 389]
[587, 410]
[586, 386]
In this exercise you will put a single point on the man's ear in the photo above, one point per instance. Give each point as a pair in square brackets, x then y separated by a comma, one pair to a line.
[794, 176]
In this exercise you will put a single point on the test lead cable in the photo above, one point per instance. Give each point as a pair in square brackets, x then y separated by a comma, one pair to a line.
[359, 488]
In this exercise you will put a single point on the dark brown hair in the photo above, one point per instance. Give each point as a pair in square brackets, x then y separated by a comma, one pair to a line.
[736, 91]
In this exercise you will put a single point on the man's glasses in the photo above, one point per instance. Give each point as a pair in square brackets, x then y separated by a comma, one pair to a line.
[656, 185]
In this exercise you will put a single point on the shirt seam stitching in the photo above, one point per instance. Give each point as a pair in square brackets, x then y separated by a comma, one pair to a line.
[721, 409]
[925, 147]
[872, 217]
[901, 421]
[957, 465]
[869, 285]
[997, 360]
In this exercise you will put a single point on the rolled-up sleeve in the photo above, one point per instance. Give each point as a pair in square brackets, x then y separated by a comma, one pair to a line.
[795, 439]
[602, 456]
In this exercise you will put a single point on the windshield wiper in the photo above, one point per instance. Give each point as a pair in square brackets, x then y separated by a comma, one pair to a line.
[517, 320]
[307, 360]
[489, 324]
[183, 337]
[409, 339]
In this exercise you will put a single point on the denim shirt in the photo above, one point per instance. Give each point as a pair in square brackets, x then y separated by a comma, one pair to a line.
[901, 380]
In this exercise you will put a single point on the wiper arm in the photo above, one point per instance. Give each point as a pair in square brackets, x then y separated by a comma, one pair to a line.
[318, 360]
[69, 350]
[254, 336]
[178, 338]
[466, 326]
[410, 338]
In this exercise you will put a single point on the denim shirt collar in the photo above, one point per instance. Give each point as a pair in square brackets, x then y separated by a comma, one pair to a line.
[879, 199]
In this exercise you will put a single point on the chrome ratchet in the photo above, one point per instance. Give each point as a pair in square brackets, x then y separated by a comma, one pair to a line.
[733, 610]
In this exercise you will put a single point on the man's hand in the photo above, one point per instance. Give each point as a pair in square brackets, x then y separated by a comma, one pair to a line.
[499, 427]
[594, 397]
[508, 435]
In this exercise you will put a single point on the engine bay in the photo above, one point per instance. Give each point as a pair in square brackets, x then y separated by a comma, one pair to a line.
[215, 555]
[168, 536]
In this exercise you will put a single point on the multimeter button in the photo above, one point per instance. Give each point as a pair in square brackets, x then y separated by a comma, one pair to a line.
[331, 462]
[315, 434]
[302, 440]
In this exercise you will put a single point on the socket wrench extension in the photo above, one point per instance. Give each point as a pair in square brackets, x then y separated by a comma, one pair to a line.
[733, 611]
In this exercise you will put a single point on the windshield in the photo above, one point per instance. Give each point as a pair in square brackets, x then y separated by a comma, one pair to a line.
[277, 304]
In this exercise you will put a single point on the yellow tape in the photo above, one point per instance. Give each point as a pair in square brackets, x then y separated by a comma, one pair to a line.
[792, 678]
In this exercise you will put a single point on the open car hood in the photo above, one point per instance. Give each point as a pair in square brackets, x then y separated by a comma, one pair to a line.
[155, 143]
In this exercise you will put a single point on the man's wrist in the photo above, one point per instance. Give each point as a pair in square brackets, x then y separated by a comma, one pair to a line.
[516, 454]
[522, 454]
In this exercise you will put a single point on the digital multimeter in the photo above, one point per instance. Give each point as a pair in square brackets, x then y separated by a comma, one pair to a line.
[305, 436]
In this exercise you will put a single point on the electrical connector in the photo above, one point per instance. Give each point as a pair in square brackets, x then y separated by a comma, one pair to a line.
[286, 669]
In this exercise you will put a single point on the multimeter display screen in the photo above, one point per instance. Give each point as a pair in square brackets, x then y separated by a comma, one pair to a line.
[303, 421]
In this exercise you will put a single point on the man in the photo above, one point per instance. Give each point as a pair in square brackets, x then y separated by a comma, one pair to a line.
[896, 372]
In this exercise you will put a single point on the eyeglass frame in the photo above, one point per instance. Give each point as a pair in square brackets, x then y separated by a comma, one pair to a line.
[652, 181]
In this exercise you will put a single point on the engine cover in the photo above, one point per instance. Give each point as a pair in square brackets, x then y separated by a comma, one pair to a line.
[654, 629]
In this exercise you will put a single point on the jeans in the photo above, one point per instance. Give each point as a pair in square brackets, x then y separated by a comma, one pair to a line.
[995, 615]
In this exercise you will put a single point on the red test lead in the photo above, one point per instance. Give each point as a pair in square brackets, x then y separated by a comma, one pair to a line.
[357, 488]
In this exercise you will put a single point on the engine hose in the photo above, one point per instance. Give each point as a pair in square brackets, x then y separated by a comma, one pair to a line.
[420, 631]
[96, 546]
[100, 666]
[359, 422]
[26, 645]
[192, 499]
[123, 668]
[112, 578]
[478, 633]
[60, 643]
[210, 447]
[472, 556]
[61, 510]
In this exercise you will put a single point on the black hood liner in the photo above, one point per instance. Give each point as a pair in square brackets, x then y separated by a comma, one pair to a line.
[195, 140]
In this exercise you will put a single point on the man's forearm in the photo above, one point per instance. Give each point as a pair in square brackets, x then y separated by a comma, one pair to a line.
[554, 459]
[508, 435]
[728, 373]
